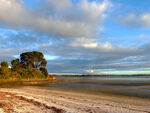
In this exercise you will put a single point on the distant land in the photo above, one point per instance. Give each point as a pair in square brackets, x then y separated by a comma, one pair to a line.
[88, 75]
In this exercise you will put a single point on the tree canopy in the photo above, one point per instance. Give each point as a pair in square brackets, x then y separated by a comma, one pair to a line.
[34, 59]
[30, 65]
[16, 65]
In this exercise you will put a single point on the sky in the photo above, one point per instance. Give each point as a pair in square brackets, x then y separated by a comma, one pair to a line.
[79, 36]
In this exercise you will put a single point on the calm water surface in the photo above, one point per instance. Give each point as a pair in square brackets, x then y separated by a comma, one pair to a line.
[130, 86]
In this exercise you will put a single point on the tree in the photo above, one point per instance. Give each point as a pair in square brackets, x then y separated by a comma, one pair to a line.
[16, 65]
[44, 71]
[4, 70]
[34, 59]
[30, 65]
[4, 64]
[15, 62]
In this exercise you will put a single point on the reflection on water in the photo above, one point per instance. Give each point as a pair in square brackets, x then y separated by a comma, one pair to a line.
[131, 86]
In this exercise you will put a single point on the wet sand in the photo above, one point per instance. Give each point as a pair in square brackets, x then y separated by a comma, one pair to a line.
[41, 100]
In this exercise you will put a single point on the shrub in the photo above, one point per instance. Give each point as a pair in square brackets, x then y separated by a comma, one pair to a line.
[4, 64]
[5, 73]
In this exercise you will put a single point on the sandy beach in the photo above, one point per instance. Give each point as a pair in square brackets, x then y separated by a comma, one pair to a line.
[38, 100]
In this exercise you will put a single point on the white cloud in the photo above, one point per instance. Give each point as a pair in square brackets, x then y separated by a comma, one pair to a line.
[65, 20]
[62, 18]
[90, 45]
[13, 13]
[135, 20]
[83, 42]
[93, 11]
[106, 47]
[90, 72]
[145, 18]
[58, 5]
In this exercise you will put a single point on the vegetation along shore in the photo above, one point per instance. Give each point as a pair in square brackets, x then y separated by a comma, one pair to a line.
[30, 66]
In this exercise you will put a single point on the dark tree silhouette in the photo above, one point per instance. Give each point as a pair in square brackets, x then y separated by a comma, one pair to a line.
[15, 62]
[34, 59]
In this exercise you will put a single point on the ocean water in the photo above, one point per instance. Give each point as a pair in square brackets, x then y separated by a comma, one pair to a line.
[129, 86]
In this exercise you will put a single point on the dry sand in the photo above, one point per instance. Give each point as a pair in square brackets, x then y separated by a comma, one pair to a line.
[37, 100]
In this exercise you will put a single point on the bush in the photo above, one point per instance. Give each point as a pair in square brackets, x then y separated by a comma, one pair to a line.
[5, 73]
[4, 64]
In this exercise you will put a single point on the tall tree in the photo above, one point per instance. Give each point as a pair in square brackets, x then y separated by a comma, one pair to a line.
[34, 59]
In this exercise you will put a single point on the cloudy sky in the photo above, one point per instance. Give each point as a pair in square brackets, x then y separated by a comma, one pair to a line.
[79, 36]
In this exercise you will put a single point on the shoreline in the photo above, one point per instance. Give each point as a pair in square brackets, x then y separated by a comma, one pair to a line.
[71, 102]
[27, 82]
